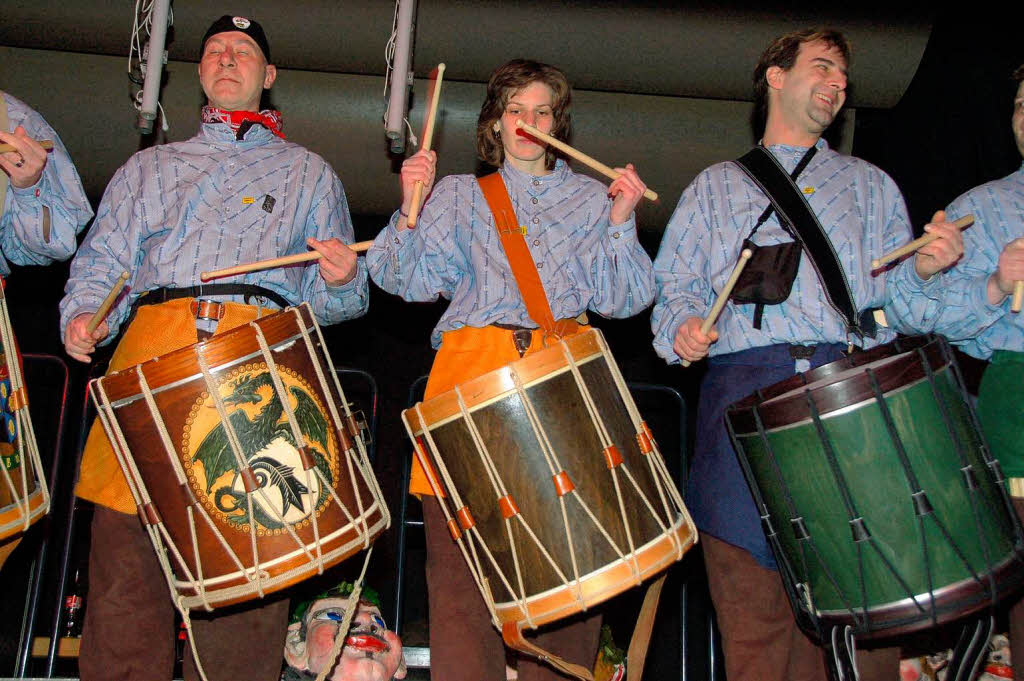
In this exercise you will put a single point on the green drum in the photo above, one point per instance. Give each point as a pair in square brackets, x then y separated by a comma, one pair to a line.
[884, 508]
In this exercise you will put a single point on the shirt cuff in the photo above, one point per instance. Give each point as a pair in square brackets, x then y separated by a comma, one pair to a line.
[624, 233]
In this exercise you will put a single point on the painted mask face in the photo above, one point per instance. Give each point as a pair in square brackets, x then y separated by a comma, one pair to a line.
[372, 652]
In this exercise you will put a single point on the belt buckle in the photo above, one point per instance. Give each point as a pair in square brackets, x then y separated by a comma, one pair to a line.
[522, 338]
[202, 308]
[802, 351]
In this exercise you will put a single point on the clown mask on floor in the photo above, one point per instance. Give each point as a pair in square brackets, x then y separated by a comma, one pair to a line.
[371, 653]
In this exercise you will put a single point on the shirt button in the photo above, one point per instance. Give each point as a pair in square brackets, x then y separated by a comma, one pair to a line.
[536, 221]
[616, 235]
[536, 183]
[540, 265]
[536, 242]
[533, 200]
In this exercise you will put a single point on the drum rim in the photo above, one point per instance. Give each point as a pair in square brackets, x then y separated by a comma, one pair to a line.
[497, 384]
[606, 582]
[840, 394]
[182, 365]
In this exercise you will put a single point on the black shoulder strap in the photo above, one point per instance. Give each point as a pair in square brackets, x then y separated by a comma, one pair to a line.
[793, 209]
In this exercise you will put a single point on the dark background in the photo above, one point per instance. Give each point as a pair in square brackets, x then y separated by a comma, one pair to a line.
[948, 132]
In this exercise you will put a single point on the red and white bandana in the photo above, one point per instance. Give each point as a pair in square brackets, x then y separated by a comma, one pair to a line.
[268, 118]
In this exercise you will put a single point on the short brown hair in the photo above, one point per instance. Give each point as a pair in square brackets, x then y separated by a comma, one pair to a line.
[507, 80]
[1018, 74]
[783, 52]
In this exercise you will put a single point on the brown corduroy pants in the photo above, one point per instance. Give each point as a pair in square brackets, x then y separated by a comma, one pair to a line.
[129, 620]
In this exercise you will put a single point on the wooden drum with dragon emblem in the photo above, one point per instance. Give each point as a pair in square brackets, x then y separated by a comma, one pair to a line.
[247, 463]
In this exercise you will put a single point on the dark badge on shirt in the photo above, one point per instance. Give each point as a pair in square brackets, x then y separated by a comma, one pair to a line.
[268, 203]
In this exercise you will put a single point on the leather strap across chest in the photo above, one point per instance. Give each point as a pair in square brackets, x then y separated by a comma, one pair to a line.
[519, 258]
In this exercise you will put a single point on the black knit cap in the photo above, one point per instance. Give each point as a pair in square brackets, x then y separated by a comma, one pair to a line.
[228, 23]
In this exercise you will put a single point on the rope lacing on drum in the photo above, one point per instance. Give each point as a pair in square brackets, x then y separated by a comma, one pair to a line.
[554, 468]
[501, 491]
[606, 443]
[363, 462]
[300, 441]
[28, 449]
[470, 537]
[667, 489]
[236, 450]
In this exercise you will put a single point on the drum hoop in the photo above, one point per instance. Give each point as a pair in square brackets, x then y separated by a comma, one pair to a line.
[842, 411]
[353, 528]
[840, 394]
[198, 375]
[560, 601]
[435, 420]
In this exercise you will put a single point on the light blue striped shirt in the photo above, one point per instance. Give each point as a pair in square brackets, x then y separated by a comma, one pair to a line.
[583, 260]
[59, 189]
[958, 307]
[858, 205]
[176, 210]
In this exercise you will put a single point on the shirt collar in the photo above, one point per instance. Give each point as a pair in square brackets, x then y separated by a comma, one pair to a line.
[221, 132]
[786, 151]
[522, 180]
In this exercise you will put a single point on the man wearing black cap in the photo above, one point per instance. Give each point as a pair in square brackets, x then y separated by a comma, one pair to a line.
[236, 192]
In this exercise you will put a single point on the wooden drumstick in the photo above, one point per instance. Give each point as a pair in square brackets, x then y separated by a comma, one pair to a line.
[579, 156]
[1018, 296]
[963, 223]
[7, 148]
[358, 247]
[723, 297]
[101, 313]
[427, 137]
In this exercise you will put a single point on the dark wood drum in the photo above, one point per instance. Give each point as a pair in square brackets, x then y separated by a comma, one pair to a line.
[246, 461]
[553, 485]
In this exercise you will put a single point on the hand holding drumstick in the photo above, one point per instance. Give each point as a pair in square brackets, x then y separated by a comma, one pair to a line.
[581, 157]
[22, 157]
[940, 247]
[89, 328]
[1008, 279]
[421, 187]
[695, 336]
[321, 249]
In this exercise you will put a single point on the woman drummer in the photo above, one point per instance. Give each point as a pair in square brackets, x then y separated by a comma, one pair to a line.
[582, 238]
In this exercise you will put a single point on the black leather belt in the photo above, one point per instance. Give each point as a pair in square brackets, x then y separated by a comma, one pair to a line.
[248, 291]
[203, 307]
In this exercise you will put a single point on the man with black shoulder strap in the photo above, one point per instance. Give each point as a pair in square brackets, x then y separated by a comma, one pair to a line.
[236, 192]
[781, 322]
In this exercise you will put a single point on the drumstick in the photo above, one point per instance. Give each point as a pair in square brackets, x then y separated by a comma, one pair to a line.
[358, 247]
[723, 297]
[1018, 296]
[7, 148]
[115, 291]
[428, 136]
[962, 223]
[579, 156]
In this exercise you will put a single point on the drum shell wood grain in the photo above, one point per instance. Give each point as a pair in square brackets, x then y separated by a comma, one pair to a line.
[181, 396]
[500, 416]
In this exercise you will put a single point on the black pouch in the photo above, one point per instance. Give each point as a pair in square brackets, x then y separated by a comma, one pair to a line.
[767, 278]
